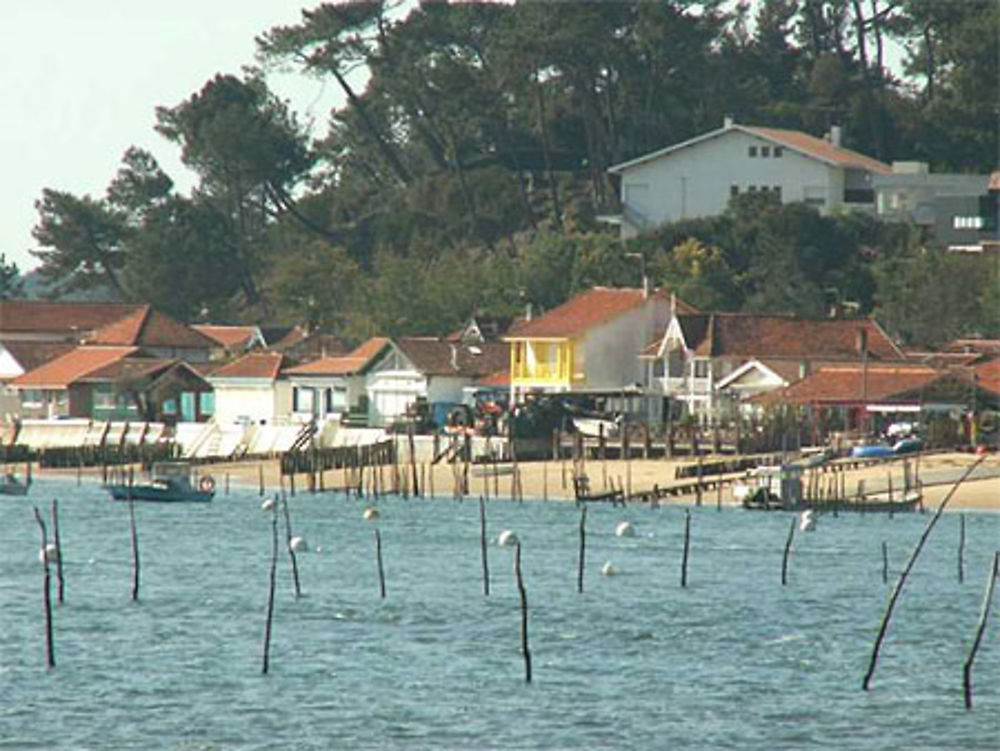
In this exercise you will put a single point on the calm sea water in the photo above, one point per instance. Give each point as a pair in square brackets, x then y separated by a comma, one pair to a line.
[734, 660]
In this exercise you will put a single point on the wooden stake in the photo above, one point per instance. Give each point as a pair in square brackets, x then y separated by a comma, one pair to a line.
[583, 549]
[378, 557]
[784, 558]
[288, 544]
[980, 628]
[687, 547]
[483, 547]
[524, 613]
[134, 538]
[885, 563]
[898, 588]
[270, 593]
[260, 478]
[961, 548]
[58, 544]
[50, 655]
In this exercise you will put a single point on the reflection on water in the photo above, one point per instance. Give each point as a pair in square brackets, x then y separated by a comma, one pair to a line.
[733, 660]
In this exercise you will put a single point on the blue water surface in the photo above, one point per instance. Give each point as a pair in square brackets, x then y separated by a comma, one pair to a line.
[734, 660]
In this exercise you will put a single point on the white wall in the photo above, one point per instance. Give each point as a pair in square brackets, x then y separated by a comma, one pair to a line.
[695, 181]
[251, 399]
[611, 351]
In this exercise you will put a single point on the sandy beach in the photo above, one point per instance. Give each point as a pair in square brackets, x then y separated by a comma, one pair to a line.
[553, 480]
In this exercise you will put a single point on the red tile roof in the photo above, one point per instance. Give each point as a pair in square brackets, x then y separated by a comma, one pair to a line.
[852, 384]
[69, 318]
[230, 337]
[499, 379]
[252, 365]
[70, 367]
[586, 310]
[989, 375]
[749, 335]
[346, 365]
[820, 148]
[151, 328]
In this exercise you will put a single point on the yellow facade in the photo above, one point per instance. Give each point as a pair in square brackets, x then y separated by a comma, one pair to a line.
[547, 363]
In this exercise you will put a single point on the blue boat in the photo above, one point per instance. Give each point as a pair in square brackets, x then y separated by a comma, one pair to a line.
[871, 451]
[171, 483]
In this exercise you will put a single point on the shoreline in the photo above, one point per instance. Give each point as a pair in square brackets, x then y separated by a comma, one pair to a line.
[552, 480]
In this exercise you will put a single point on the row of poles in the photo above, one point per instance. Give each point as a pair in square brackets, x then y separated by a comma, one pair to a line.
[51, 554]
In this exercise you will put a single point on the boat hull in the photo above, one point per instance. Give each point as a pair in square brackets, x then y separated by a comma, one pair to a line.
[158, 495]
[13, 489]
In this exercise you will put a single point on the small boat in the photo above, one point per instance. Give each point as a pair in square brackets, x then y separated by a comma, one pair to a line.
[11, 485]
[171, 483]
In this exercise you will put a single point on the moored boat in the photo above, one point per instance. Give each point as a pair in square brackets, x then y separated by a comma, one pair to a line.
[11, 485]
[171, 483]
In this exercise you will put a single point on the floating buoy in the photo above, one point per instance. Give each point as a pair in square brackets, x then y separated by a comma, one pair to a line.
[624, 529]
[298, 545]
[267, 505]
[371, 514]
[608, 570]
[507, 538]
[50, 553]
[807, 522]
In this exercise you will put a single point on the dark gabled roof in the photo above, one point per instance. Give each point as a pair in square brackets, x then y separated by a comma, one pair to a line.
[591, 308]
[150, 328]
[31, 354]
[68, 318]
[761, 336]
[433, 356]
[230, 337]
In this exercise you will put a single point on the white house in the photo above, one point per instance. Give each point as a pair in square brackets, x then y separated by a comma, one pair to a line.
[427, 369]
[250, 391]
[697, 178]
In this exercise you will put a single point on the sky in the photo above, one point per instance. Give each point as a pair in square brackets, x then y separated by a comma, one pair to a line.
[80, 83]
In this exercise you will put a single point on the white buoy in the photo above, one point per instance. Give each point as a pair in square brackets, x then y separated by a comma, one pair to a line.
[608, 569]
[371, 514]
[50, 552]
[624, 529]
[507, 538]
[298, 545]
[267, 505]
[807, 522]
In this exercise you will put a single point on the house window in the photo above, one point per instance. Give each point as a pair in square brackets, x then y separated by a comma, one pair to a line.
[734, 190]
[967, 222]
[701, 368]
[32, 398]
[752, 151]
[765, 151]
[336, 399]
[777, 191]
[169, 407]
[752, 188]
[302, 399]
[659, 367]
[206, 403]
[778, 151]
[104, 397]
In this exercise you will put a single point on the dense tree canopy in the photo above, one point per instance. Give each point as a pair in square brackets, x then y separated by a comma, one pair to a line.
[466, 172]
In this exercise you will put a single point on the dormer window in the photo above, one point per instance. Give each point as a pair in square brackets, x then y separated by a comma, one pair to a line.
[778, 151]
[752, 151]
[765, 151]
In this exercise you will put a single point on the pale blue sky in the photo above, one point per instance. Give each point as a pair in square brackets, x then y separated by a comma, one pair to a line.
[79, 83]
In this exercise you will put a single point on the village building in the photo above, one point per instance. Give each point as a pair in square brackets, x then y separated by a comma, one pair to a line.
[714, 363]
[698, 177]
[231, 341]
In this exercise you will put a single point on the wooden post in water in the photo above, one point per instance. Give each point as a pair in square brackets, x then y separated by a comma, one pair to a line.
[483, 547]
[687, 547]
[260, 477]
[60, 584]
[227, 483]
[378, 558]
[961, 548]
[288, 544]
[602, 449]
[134, 538]
[50, 655]
[898, 588]
[885, 563]
[270, 593]
[583, 549]
[980, 628]
[524, 613]
[784, 558]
